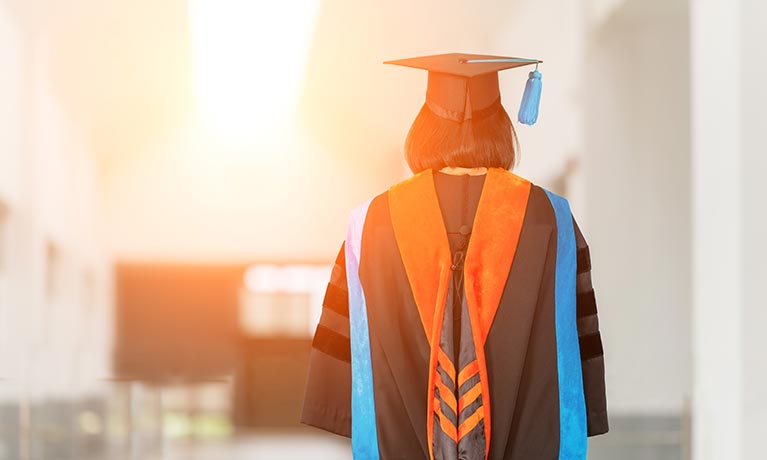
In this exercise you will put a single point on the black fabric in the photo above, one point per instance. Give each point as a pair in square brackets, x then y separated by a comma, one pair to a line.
[337, 299]
[458, 197]
[594, 392]
[332, 343]
[460, 343]
[338, 275]
[590, 346]
[446, 410]
[399, 349]
[592, 364]
[327, 398]
[335, 322]
[586, 304]
[520, 347]
[584, 260]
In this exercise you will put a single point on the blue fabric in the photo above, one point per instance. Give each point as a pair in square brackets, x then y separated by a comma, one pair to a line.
[531, 99]
[572, 403]
[364, 435]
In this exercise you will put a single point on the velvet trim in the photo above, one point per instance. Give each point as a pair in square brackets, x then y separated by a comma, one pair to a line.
[338, 274]
[586, 304]
[590, 346]
[335, 322]
[364, 432]
[336, 299]
[332, 343]
[433, 361]
[422, 242]
[572, 405]
[497, 226]
[423, 245]
[584, 259]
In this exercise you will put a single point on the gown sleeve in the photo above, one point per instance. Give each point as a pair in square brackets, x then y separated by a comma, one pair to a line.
[327, 397]
[590, 340]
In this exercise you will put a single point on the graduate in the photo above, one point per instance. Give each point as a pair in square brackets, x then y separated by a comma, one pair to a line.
[460, 321]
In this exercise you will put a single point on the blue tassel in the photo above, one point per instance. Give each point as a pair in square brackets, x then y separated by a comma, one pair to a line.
[531, 99]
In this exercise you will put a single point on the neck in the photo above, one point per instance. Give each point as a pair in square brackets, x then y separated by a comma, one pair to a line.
[458, 170]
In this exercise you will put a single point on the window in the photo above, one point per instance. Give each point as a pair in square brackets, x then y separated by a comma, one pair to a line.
[282, 300]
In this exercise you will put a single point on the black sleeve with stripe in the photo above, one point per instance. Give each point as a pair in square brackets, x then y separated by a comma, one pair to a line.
[327, 397]
[589, 337]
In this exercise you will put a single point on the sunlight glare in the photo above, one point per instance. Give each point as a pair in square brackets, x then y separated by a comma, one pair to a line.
[249, 63]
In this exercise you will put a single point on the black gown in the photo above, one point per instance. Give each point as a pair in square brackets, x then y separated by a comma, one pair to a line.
[527, 375]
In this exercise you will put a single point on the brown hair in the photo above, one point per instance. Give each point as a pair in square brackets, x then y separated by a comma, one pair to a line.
[487, 139]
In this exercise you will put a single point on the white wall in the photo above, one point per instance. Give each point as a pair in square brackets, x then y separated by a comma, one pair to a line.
[636, 177]
[754, 166]
[51, 346]
[730, 386]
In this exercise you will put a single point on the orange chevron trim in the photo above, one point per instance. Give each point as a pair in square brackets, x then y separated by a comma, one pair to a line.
[444, 423]
[422, 241]
[471, 422]
[501, 211]
[433, 373]
[468, 372]
[446, 364]
[469, 397]
[447, 396]
[425, 251]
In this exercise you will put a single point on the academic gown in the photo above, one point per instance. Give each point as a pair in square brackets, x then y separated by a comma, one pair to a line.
[460, 322]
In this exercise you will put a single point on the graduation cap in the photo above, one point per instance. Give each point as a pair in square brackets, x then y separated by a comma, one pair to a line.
[464, 86]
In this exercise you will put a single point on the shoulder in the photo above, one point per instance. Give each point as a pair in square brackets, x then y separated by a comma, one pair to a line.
[556, 209]
[542, 204]
[417, 177]
[372, 205]
[539, 191]
[380, 200]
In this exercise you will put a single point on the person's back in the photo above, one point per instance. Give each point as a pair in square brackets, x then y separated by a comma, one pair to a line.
[460, 322]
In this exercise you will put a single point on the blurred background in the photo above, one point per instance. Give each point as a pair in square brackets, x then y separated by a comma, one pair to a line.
[176, 175]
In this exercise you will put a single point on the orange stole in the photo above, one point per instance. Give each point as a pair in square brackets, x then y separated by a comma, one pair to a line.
[425, 251]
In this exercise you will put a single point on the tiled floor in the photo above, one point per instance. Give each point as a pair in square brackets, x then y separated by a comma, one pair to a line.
[299, 444]
[630, 438]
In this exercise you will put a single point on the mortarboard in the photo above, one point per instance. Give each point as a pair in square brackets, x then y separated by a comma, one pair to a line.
[464, 86]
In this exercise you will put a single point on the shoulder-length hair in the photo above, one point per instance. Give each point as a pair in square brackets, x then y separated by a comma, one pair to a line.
[486, 139]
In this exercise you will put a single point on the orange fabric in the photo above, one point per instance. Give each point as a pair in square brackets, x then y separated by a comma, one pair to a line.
[422, 241]
[467, 372]
[447, 396]
[433, 375]
[493, 243]
[444, 423]
[469, 397]
[471, 422]
[480, 350]
[446, 364]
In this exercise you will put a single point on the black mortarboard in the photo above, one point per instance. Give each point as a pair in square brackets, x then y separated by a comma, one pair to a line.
[462, 86]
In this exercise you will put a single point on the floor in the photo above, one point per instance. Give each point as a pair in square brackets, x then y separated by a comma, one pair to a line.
[630, 438]
[296, 444]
